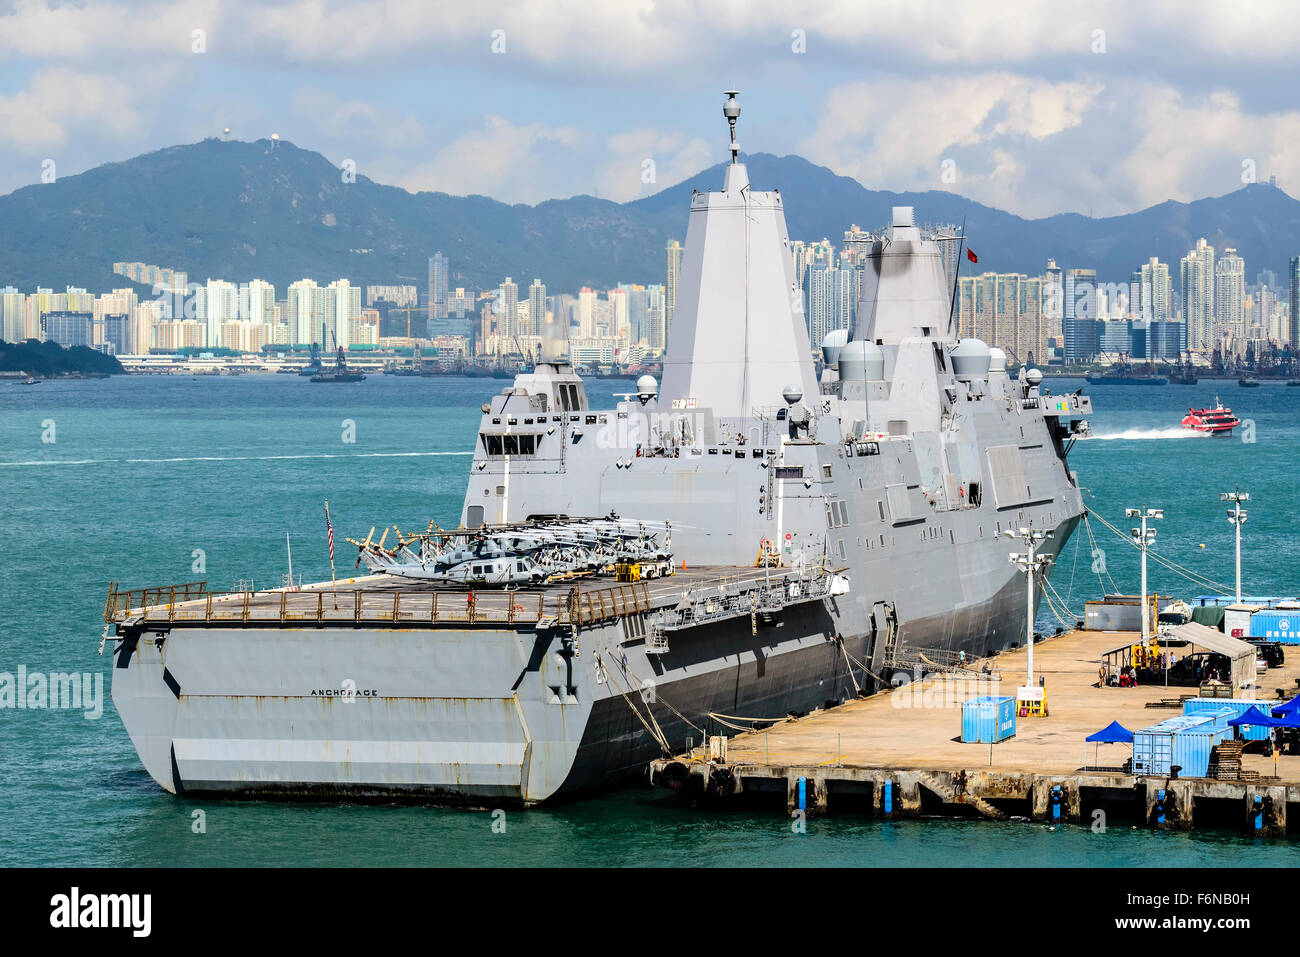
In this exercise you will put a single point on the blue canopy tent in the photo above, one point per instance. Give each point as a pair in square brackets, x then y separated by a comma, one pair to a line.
[1288, 707]
[1283, 719]
[1113, 733]
[1256, 718]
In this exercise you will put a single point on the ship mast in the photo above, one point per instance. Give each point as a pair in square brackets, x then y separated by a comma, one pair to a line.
[731, 110]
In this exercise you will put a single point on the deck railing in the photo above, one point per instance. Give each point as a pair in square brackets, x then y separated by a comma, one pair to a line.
[731, 599]
[118, 601]
[192, 603]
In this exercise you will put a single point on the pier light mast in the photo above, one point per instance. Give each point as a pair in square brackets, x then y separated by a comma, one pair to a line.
[1030, 563]
[1237, 516]
[1144, 537]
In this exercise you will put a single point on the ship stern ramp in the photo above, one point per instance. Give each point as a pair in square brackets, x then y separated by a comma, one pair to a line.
[351, 712]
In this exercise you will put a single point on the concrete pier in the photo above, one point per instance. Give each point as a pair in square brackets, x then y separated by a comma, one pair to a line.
[899, 754]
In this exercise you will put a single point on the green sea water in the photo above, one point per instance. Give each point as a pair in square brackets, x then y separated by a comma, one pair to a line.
[133, 479]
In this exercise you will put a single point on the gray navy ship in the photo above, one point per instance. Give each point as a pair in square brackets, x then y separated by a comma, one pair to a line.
[745, 540]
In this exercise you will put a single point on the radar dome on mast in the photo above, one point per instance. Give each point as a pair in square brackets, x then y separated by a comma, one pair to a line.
[731, 110]
[970, 358]
[646, 388]
[861, 361]
[834, 341]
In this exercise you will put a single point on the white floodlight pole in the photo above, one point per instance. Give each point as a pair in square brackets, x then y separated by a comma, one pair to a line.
[1029, 562]
[1144, 536]
[1237, 516]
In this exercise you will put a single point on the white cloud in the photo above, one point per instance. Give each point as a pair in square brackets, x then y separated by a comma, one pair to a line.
[1009, 90]
[104, 29]
[898, 133]
[1189, 147]
[41, 119]
[655, 39]
[1037, 147]
[355, 122]
[517, 164]
[642, 162]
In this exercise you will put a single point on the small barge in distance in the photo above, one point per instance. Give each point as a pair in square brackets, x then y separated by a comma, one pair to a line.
[340, 372]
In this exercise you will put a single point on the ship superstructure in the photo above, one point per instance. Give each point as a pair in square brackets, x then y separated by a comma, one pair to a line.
[825, 534]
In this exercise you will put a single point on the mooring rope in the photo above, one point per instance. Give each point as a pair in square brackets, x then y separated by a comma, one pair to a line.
[1194, 577]
[659, 698]
[654, 732]
[1092, 546]
[856, 690]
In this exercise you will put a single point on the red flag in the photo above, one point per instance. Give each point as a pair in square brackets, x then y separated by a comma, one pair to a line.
[970, 254]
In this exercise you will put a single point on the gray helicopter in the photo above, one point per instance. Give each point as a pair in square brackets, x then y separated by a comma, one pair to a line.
[523, 554]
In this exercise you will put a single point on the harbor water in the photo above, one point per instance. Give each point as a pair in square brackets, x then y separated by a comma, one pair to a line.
[152, 480]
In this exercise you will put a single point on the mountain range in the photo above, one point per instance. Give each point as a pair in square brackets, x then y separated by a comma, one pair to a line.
[271, 210]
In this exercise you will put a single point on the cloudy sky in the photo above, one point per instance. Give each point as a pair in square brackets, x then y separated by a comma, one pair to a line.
[1036, 108]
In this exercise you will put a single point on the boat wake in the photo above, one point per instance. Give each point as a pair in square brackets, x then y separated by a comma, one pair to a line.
[1176, 432]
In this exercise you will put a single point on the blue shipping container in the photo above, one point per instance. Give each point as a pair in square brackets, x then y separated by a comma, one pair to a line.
[1185, 741]
[987, 720]
[1263, 601]
[1224, 708]
[1283, 626]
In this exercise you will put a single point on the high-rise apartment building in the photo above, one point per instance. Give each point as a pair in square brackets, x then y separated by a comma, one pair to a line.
[1293, 320]
[857, 246]
[673, 274]
[820, 288]
[13, 305]
[536, 308]
[439, 280]
[1154, 291]
[655, 318]
[342, 309]
[260, 296]
[1196, 271]
[508, 300]
[306, 303]
[218, 303]
[1079, 315]
[1230, 291]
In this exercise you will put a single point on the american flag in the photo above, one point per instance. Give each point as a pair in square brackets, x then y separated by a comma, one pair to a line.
[329, 527]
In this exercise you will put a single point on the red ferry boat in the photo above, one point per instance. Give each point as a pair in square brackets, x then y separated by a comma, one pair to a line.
[1216, 421]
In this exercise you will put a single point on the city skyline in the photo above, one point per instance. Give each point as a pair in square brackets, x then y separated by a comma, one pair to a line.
[1062, 315]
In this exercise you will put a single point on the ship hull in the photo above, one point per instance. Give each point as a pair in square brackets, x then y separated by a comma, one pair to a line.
[493, 716]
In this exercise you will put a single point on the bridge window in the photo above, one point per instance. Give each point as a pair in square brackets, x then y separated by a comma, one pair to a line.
[525, 443]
